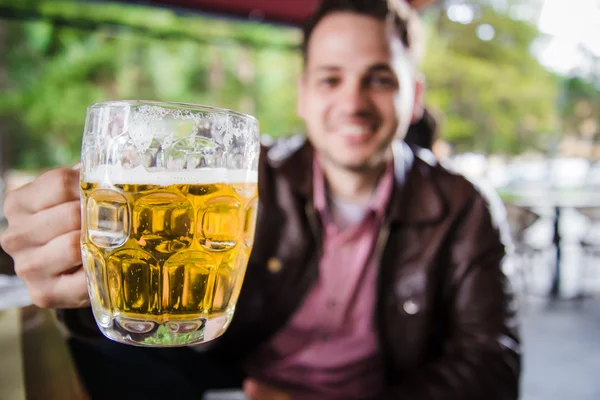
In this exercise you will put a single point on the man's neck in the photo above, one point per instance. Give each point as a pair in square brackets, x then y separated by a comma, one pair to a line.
[352, 186]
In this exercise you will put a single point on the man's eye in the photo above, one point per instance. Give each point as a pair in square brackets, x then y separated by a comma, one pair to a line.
[329, 82]
[385, 82]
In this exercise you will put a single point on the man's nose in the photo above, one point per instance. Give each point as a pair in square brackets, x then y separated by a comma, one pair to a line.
[354, 98]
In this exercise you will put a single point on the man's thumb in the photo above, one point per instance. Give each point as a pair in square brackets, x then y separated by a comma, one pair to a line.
[251, 389]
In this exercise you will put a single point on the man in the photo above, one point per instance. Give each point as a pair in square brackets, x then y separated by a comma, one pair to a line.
[374, 274]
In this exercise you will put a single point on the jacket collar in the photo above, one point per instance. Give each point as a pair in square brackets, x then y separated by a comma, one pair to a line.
[416, 198]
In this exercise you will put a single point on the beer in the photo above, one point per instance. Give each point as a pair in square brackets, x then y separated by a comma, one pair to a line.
[165, 252]
[169, 200]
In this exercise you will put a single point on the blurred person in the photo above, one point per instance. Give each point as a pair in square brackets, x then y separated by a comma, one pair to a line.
[375, 274]
[424, 131]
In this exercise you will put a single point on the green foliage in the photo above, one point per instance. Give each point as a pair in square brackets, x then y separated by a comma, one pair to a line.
[57, 71]
[580, 108]
[494, 96]
[60, 56]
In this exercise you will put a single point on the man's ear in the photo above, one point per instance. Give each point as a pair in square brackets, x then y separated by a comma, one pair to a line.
[419, 104]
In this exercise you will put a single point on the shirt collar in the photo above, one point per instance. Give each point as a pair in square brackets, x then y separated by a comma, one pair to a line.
[378, 202]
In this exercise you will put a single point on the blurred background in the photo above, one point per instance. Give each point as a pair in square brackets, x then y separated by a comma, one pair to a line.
[512, 79]
[513, 84]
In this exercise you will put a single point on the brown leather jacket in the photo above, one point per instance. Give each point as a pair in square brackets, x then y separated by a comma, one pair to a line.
[444, 315]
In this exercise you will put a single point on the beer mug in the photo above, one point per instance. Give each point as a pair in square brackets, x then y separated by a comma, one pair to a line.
[169, 201]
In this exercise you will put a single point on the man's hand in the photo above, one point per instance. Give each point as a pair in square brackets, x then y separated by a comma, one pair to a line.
[256, 390]
[44, 224]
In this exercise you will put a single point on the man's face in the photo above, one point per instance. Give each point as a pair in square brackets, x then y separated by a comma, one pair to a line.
[352, 98]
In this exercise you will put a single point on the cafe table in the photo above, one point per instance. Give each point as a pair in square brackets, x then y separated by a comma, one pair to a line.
[557, 200]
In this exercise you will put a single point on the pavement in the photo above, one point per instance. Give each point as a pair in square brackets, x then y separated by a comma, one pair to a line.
[561, 342]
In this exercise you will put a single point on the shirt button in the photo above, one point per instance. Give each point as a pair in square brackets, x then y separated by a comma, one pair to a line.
[274, 265]
[410, 307]
[331, 304]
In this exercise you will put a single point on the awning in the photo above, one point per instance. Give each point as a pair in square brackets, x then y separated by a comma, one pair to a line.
[279, 11]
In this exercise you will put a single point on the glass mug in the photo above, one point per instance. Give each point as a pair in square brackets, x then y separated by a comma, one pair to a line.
[169, 199]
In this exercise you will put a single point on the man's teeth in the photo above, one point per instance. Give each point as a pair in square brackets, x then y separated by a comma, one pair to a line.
[353, 130]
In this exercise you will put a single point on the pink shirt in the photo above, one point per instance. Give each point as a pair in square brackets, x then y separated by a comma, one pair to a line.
[329, 349]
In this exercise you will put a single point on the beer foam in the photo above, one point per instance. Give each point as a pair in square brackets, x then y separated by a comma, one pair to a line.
[117, 175]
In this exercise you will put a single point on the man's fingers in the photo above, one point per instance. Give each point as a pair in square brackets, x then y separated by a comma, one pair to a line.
[251, 389]
[50, 189]
[59, 256]
[56, 221]
[49, 224]
[256, 390]
[43, 235]
[64, 253]
[66, 291]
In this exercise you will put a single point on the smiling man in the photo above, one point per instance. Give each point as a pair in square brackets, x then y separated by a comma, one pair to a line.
[374, 274]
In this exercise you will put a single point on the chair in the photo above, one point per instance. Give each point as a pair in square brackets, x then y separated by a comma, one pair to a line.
[525, 253]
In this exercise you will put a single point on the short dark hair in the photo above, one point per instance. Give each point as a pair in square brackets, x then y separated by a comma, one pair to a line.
[378, 9]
